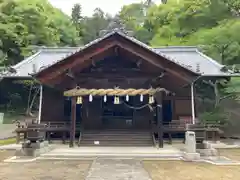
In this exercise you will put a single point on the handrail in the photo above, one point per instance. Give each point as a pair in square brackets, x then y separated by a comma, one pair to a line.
[79, 139]
[154, 140]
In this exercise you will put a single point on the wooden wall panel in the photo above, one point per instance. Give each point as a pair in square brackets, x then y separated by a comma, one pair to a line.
[182, 107]
[92, 114]
[52, 105]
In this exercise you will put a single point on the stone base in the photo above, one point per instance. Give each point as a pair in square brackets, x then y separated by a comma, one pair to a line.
[191, 156]
[207, 145]
[33, 149]
[36, 145]
[207, 152]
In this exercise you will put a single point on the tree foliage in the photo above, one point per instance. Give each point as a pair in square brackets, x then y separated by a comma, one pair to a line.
[92, 26]
[24, 24]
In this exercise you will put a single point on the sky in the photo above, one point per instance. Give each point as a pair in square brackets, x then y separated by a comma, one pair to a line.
[108, 6]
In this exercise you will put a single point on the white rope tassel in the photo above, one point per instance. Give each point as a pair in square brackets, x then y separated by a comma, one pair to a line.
[90, 98]
[151, 100]
[116, 100]
[127, 98]
[105, 98]
[141, 98]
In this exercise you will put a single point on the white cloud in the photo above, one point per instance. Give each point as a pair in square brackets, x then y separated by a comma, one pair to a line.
[109, 6]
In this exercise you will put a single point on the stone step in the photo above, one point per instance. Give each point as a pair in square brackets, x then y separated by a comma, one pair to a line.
[116, 135]
[105, 143]
[118, 141]
[112, 155]
[114, 145]
[117, 132]
[116, 138]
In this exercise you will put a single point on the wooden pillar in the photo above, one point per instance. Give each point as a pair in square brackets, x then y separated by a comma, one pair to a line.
[159, 114]
[193, 103]
[73, 122]
[40, 104]
[159, 125]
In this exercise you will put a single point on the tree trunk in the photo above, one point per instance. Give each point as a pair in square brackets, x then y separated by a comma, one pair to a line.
[29, 109]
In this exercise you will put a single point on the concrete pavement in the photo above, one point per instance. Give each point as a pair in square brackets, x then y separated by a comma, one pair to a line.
[6, 131]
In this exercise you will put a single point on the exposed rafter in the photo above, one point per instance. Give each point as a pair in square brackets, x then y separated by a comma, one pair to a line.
[70, 74]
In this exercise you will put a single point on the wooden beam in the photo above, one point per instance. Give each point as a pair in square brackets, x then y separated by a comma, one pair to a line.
[153, 59]
[86, 57]
[73, 122]
[56, 71]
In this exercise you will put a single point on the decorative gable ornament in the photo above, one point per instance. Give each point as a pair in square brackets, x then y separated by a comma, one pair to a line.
[116, 25]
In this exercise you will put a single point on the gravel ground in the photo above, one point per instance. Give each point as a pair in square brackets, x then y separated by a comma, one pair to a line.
[45, 170]
[172, 170]
[233, 154]
[5, 154]
[117, 169]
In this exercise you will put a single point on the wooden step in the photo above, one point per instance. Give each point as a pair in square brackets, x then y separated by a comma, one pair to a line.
[116, 138]
[115, 132]
[116, 143]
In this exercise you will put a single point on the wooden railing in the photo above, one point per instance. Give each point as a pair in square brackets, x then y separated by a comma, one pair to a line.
[57, 124]
[213, 131]
[50, 127]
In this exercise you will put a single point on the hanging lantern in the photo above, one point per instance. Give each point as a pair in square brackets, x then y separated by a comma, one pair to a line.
[90, 98]
[105, 98]
[151, 100]
[127, 97]
[141, 98]
[79, 100]
[116, 100]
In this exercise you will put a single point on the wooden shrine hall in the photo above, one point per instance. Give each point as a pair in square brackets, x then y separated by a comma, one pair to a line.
[117, 85]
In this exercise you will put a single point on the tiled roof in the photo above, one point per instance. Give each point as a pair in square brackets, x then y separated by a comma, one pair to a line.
[197, 61]
[43, 58]
[188, 57]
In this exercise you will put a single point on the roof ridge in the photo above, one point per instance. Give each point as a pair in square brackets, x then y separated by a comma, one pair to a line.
[175, 47]
[78, 50]
[210, 59]
[134, 40]
[74, 47]
[26, 60]
[159, 53]
[47, 48]
[60, 49]
[175, 54]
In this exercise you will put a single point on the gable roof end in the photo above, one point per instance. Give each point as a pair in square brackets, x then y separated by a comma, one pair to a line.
[188, 57]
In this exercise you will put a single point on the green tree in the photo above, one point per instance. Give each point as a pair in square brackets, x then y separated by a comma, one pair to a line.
[92, 26]
[77, 18]
[221, 42]
[133, 15]
[24, 24]
[76, 13]
[233, 6]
